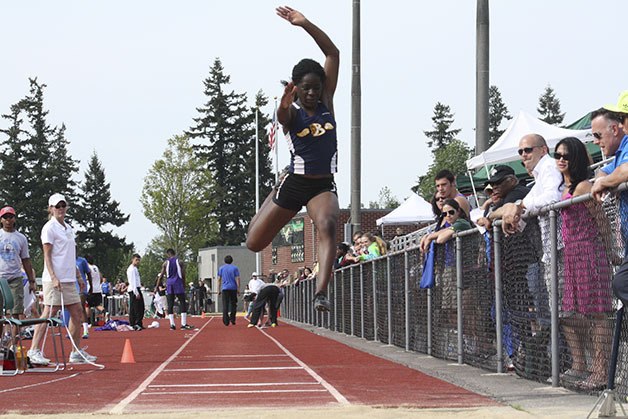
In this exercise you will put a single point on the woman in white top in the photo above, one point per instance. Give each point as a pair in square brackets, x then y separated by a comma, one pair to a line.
[59, 279]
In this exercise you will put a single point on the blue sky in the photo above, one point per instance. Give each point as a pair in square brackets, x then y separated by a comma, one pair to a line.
[124, 76]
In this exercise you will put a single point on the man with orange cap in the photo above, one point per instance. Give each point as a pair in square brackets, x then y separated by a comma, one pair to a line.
[13, 255]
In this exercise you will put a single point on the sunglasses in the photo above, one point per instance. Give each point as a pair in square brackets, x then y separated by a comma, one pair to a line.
[450, 212]
[597, 135]
[61, 205]
[559, 156]
[8, 216]
[527, 150]
[440, 199]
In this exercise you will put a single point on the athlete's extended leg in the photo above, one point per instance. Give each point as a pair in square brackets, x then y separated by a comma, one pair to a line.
[323, 209]
[266, 224]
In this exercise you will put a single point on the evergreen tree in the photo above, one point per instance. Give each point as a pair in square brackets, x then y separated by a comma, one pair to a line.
[61, 166]
[386, 200]
[94, 211]
[549, 107]
[40, 164]
[225, 135]
[15, 175]
[453, 157]
[442, 134]
[497, 112]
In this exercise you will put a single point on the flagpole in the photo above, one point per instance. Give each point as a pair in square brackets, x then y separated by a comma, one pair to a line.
[276, 145]
[257, 254]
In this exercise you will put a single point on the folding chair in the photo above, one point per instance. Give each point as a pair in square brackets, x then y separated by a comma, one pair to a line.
[16, 326]
[12, 324]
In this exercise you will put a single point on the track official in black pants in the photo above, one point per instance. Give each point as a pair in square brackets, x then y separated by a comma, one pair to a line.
[269, 294]
[229, 285]
[136, 300]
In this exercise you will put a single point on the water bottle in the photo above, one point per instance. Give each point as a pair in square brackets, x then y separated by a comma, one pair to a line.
[20, 359]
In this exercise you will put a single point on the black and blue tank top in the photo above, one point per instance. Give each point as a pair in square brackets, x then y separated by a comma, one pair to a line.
[313, 144]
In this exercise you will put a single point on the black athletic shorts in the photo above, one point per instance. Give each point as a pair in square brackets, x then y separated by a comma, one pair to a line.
[295, 191]
[94, 300]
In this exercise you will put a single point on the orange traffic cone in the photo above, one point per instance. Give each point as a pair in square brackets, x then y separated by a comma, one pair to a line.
[127, 353]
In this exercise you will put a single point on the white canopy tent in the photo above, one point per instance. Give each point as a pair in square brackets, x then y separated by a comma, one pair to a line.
[413, 211]
[505, 148]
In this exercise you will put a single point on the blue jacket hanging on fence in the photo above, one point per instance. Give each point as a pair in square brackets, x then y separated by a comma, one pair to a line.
[427, 278]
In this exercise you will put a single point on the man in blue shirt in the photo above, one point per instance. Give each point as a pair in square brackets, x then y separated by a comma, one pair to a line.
[229, 284]
[86, 274]
[613, 141]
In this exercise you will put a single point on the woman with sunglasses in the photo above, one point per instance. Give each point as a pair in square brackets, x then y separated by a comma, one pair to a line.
[453, 219]
[59, 280]
[587, 295]
[437, 207]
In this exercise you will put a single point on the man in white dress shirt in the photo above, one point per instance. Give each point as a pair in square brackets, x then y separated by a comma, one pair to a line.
[535, 156]
[136, 300]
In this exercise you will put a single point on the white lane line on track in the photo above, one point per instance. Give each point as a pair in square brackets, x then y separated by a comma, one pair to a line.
[39, 384]
[232, 369]
[232, 385]
[245, 356]
[119, 408]
[161, 393]
[332, 390]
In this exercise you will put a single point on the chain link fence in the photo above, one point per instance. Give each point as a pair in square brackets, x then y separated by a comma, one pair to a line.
[538, 303]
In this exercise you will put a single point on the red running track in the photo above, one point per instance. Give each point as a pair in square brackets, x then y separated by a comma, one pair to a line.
[227, 367]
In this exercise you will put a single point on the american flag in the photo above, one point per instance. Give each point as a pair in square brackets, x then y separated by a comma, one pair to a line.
[272, 134]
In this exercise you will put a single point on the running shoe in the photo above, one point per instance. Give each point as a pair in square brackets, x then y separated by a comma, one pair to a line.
[188, 327]
[273, 325]
[81, 357]
[37, 357]
[85, 335]
[321, 303]
[250, 325]
[173, 327]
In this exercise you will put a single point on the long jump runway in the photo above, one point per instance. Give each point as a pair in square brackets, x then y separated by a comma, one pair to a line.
[227, 367]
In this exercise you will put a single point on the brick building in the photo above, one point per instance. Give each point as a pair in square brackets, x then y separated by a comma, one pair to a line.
[296, 245]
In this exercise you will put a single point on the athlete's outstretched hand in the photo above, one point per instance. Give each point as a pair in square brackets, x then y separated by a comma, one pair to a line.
[293, 16]
[288, 95]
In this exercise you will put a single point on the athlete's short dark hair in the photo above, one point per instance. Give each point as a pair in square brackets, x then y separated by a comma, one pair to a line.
[307, 66]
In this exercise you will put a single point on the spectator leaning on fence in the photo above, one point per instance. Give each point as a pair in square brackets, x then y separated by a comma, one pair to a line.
[546, 190]
[506, 190]
[372, 251]
[611, 176]
[455, 217]
[586, 300]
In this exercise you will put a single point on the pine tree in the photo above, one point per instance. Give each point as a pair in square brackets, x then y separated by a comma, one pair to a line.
[94, 211]
[224, 134]
[442, 134]
[386, 200]
[15, 175]
[61, 166]
[45, 166]
[497, 112]
[549, 107]
[452, 157]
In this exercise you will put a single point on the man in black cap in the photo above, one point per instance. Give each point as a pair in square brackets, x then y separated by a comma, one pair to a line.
[506, 189]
